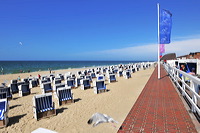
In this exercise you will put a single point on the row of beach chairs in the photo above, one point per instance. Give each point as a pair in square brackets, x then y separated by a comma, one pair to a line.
[43, 105]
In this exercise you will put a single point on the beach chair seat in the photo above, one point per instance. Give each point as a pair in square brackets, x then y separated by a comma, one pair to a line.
[112, 78]
[99, 86]
[24, 90]
[43, 106]
[4, 112]
[85, 84]
[14, 88]
[7, 91]
[47, 88]
[64, 95]
[70, 82]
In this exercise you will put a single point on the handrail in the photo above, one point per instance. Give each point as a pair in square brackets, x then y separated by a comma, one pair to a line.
[185, 82]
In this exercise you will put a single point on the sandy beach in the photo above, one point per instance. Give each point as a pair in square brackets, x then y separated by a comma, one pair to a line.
[72, 118]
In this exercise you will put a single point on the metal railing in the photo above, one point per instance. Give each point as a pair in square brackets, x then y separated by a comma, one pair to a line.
[188, 86]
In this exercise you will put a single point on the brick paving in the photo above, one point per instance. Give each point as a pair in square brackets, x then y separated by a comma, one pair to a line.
[158, 109]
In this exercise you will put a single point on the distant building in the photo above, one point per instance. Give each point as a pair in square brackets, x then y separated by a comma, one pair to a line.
[195, 55]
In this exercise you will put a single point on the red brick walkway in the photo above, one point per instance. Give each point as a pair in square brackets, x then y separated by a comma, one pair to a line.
[158, 109]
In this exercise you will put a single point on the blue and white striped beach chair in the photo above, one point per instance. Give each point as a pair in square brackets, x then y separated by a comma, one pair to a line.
[93, 75]
[4, 112]
[89, 77]
[24, 90]
[77, 82]
[47, 88]
[7, 91]
[14, 88]
[99, 86]
[64, 95]
[112, 78]
[127, 74]
[85, 83]
[120, 73]
[43, 106]
[70, 82]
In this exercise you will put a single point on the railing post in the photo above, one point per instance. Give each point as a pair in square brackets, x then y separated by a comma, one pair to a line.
[183, 85]
[195, 88]
[177, 77]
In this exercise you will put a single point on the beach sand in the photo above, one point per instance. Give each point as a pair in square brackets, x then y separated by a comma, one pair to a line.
[72, 118]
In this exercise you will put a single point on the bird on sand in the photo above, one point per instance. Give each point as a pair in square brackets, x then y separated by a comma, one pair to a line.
[98, 118]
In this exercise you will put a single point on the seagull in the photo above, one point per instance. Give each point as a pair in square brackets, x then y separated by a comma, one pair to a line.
[98, 118]
[20, 43]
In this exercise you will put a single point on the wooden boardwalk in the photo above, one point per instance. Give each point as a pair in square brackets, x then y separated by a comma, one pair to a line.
[158, 109]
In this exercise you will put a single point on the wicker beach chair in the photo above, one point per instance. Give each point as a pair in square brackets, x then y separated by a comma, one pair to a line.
[4, 112]
[43, 106]
[93, 75]
[64, 95]
[24, 90]
[47, 88]
[14, 88]
[127, 74]
[112, 78]
[70, 82]
[120, 73]
[89, 77]
[33, 83]
[99, 86]
[77, 82]
[7, 91]
[85, 83]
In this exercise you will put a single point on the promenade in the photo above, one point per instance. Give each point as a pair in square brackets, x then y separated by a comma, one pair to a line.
[158, 109]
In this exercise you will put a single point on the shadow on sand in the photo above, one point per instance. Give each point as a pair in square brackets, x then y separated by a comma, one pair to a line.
[15, 119]
[76, 100]
[15, 106]
[60, 110]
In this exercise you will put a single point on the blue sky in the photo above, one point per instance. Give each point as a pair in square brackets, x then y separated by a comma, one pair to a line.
[94, 29]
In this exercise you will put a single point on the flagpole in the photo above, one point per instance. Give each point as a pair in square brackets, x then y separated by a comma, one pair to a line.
[158, 6]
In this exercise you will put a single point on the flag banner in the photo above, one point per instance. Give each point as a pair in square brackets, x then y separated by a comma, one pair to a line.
[165, 26]
[162, 48]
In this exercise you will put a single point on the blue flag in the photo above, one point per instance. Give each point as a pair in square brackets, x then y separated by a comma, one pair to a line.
[165, 26]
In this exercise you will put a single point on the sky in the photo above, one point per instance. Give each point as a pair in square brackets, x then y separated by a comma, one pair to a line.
[94, 29]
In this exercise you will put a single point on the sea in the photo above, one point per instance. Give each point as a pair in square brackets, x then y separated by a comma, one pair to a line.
[13, 67]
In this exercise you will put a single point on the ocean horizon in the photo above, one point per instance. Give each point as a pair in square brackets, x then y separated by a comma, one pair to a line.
[13, 67]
